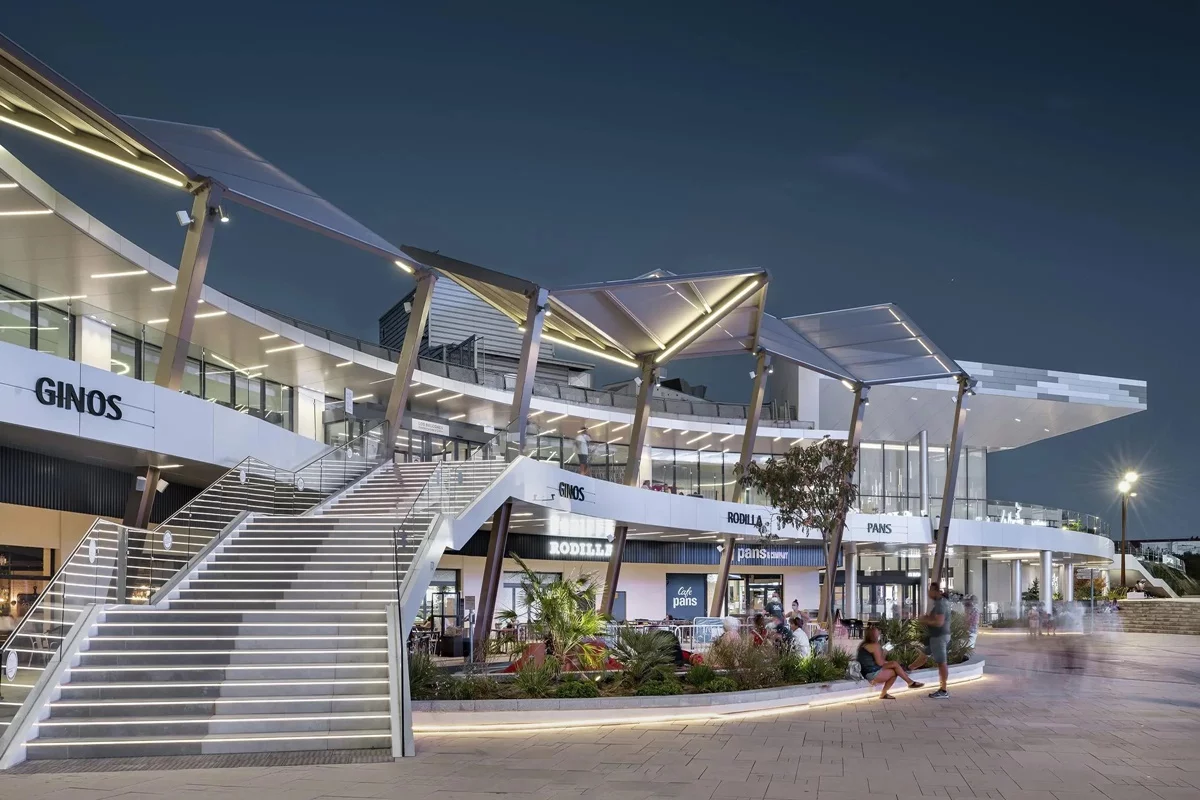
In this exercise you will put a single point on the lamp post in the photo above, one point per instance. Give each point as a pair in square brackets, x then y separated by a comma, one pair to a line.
[1124, 488]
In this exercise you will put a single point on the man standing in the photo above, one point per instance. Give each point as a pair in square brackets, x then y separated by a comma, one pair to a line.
[582, 441]
[938, 623]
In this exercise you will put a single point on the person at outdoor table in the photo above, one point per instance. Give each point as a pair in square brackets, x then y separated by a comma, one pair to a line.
[876, 668]
[760, 632]
[800, 645]
[774, 606]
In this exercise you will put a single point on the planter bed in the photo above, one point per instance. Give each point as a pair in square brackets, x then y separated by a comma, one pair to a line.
[430, 716]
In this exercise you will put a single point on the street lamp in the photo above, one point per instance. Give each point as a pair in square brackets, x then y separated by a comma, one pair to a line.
[1124, 488]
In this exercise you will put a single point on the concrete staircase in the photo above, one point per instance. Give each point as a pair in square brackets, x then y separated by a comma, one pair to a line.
[1153, 616]
[276, 641]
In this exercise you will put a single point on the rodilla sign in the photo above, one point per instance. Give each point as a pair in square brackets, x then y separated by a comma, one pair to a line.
[686, 594]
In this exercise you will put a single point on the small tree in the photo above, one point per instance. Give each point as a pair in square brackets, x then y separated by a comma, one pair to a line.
[563, 615]
[809, 487]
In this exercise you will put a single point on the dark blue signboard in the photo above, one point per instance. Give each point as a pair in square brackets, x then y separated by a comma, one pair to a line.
[685, 595]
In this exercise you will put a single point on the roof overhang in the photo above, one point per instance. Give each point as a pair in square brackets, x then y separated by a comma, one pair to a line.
[37, 100]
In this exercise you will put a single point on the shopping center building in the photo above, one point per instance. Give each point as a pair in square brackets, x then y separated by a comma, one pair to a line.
[154, 428]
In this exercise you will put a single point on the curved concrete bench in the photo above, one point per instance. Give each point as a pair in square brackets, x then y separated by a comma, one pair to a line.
[434, 716]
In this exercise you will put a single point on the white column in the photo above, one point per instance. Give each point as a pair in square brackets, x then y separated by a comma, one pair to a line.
[1069, 582]
[850, 589]
[1047, 590]
[923, 600]
[923, 474]
[1016, 584]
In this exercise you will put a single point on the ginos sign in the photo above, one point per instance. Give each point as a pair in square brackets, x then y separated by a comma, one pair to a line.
[56, 393]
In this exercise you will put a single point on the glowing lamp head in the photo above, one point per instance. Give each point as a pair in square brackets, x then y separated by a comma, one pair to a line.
[1131, 477]
[1124, 486]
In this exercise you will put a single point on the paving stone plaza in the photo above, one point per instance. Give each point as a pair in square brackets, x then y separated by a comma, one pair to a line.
[1067, 719]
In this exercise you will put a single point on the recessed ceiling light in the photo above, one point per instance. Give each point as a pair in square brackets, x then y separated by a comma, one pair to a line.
[426, 394]
[32, 212]
[407, 268]
[163, 321]
[457, 416]
[165, 289]
[366, 396]
[914, 397]
[281, 349]
[451, 397]
[268, 336]
[1047, 430]
[1016, 419]
[344, 364]
[8, 186]
[208, 314]
[129, 273]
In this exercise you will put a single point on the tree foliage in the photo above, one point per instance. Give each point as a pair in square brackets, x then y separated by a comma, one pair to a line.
[809, 487]
[563, 614]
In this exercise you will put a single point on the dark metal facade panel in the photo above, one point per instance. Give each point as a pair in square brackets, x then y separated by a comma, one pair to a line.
[44, 481]
[641, 551]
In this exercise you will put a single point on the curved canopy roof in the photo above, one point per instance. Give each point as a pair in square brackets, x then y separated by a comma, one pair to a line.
[664, 316]
[36, 99]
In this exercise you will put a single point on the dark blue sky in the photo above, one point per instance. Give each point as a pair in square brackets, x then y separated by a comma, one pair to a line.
[1023, 179]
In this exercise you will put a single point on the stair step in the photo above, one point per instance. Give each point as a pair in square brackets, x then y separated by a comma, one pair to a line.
[220, 706]
[206, 745]
[180, 726]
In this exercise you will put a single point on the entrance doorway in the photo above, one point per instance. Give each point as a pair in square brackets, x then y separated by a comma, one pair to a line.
[441, 606]
[746, 594]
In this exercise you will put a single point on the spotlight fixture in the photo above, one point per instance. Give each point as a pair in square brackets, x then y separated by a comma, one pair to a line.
[184, 218]
[221, 214]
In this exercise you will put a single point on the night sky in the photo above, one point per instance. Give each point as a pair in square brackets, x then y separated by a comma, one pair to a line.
[1023, 180]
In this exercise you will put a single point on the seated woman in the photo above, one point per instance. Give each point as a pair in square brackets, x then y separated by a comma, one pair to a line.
[876, 668]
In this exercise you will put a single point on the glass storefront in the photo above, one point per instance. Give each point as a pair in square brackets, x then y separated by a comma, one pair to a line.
[440, 610]
[512, 598]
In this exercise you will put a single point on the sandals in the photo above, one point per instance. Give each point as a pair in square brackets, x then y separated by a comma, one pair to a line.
[915, 685]
[887, 697]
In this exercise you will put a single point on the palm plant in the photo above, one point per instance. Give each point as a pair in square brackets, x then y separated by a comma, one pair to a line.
[563, 615]
[643, 654]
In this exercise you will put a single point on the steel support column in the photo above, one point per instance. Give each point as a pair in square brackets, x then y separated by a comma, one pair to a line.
[493, 570]
[1068, 589]
[535, 318]
[834, 546]
[753, 414]
[189, 284]
[953, 457]
[633, 465]
[850, 586]
[410, 351]
[1046, 590]
[141, 501]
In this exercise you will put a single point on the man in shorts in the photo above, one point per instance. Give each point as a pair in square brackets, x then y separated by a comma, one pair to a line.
[582, 449]
[937, 622]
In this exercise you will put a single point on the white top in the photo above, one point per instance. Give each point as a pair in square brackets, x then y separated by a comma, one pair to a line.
[581, 443]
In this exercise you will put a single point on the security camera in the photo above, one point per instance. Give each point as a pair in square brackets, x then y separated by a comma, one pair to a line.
[184, 218]
[610, 536]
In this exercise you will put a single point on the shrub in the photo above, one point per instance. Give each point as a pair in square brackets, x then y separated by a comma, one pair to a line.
[751, 666]
[536, 681]
[643, 654]
[819, 669]
[720, 684]
[839, 658]
[959, 649]
[657, 688]
[906, 653]
[1178, 581]
[573, 689]
[790, 668]
[898, 632]
[424, 676]
[700, 674]
[470, 687]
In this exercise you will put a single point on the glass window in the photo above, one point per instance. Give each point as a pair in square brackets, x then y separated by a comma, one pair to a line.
[937, 471]
[218, 384]
[687, 472]
[662, 469]
[54, 331]
[870, 470]
[712, 478]
[549, 448]
[895, 465]
[977, 473]
[150, 356]
[248, 397]
[513, 599]
[192, 378]
[960, 483]
[124, 355]
[15, 314]
[277, 404]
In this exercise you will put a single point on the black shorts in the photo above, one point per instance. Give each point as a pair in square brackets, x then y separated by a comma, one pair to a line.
[583, 459]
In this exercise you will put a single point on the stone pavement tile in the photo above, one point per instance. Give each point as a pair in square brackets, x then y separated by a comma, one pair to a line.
[741, 790]
[817, 769]
[852, 783]
[1176, 793]
[854, 796]
[1021, 794]
[931, 778]
[775, 769]
[786, 790]
[739, 771]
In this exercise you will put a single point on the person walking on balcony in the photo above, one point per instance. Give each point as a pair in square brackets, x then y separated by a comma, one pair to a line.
[582, 448]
